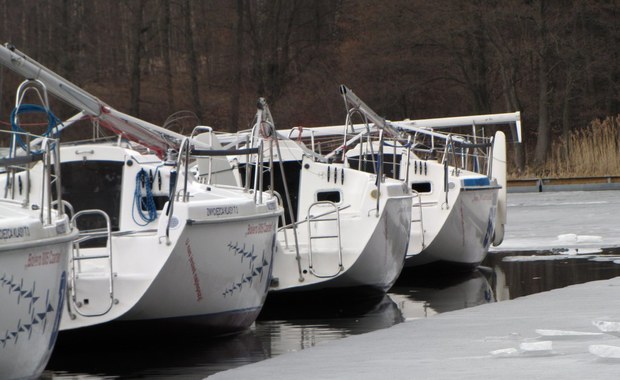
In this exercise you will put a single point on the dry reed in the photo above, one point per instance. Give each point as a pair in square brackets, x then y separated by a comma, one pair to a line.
[587, 152]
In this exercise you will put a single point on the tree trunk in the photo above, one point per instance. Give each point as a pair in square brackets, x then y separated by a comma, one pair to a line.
[513, 104]
[544, 130]
[64, 37]
[542, 140]
[136, 59]
[566, 103]
[236, 85]
[165, 42]
[193, 60]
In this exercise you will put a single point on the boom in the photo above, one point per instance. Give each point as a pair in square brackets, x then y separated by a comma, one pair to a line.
[150, 135]
[423, 125]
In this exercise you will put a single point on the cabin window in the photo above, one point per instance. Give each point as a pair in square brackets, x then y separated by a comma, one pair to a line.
[421, 187]
[93, 185]
[330, 196]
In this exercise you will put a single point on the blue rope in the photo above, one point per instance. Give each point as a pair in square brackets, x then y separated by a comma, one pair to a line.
[52, 122]
[142, 179]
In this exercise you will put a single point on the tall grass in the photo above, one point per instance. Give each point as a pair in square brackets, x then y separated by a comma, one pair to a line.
[586, 152]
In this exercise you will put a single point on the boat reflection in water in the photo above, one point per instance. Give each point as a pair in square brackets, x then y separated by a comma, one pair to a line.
[293, 325]
[420, 296]
[290, 324]
[162, 356]
[287, 325]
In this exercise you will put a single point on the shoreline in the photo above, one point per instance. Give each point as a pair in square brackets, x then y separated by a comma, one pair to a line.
[563, 184]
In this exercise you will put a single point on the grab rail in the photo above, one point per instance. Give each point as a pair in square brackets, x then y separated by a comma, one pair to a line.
[182, 163]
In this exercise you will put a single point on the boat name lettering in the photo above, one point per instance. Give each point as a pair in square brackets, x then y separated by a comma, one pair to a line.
[260, 228]
[43, 258]
[14, 232]
[224, 210]
[192, 266]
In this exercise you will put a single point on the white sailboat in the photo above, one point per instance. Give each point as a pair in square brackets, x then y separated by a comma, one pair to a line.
[346, 229]
[177, 250]
[459, 181]
[35, 243]
[155, 244]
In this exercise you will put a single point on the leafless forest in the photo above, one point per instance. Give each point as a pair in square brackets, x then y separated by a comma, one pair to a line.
[555, 61]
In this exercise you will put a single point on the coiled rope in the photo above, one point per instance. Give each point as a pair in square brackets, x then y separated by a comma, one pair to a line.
[52, 123]
[143, 180]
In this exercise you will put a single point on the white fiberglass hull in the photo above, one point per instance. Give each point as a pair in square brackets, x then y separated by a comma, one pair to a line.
[460, 235]
[202, 257]
[216, 277]
[373, 254]
[33, 278]
[214, 273]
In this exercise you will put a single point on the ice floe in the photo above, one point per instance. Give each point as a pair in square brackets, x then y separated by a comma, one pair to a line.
[533, 348]
[608, 326]
[574, 238]
[605, 351]
[566, 333]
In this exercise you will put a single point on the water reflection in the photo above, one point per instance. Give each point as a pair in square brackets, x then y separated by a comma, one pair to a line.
[424, 295]
[289, 326]
[296, 323]
[159, 356]
[517, 274]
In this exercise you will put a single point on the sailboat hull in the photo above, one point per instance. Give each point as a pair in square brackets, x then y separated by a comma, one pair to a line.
[465, 235]
[214, 274]
[33, 278]
[372, 268]
[202, 259]
[215, 277]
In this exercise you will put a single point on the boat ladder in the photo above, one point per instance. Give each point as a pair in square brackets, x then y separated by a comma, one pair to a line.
[419, 221]
[325, 225]
[85, 298]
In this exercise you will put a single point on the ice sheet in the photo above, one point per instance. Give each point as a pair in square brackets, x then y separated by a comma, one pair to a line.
[568, 219]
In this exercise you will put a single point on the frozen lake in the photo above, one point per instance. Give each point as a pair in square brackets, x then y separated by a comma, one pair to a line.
[579, 220]
[552, 240]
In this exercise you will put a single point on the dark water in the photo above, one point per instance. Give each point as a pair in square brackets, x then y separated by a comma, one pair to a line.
[293, 325]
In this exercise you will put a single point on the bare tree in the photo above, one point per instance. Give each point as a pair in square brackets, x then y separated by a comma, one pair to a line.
[137, 46]
[236, 83]
[192, 58]
[544, 65]
[283, 42]
[553, 61]
[165, 48]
